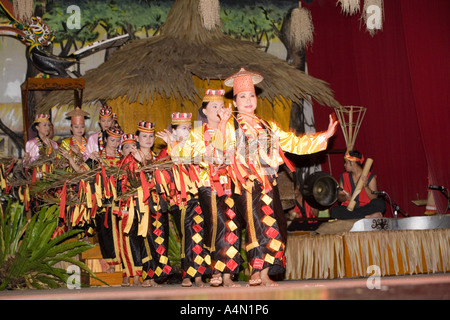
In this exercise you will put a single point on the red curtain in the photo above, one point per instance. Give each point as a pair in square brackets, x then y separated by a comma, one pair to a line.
[401, 75]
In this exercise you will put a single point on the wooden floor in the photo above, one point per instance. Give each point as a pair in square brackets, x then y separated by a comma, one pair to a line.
[411, 287]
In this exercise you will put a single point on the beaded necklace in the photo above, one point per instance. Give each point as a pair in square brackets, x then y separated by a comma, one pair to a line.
[81, 146]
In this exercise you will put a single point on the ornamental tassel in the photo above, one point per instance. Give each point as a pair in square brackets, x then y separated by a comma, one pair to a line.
[301, 28]
[2, 177]
[373, 15]
[349, 7]
[210, 13]
[130, 215]
[145, 186]
[62, 207]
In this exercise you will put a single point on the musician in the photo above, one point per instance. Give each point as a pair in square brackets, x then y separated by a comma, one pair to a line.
[368, 205]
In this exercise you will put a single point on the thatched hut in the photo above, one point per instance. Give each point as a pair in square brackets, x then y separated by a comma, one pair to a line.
[153, 77]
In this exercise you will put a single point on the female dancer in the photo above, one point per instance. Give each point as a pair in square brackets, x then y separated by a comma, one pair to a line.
[42, 144]
[260, 145]
[106, 223]
[186, 209]
[222, 228]
[96, 140]
[76, 144]
[157, 266]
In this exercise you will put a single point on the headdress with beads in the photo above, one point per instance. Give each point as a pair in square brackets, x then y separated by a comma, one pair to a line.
[42, 118]
[213, 95]
[128, 138]
[181, 118]
[114, 132]
[145, 126]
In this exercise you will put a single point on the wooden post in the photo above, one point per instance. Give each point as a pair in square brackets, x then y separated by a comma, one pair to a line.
[76, 84]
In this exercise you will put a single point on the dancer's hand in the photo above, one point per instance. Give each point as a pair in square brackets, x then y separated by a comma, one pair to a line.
[224, 114]
[166, 135]
[331, 128]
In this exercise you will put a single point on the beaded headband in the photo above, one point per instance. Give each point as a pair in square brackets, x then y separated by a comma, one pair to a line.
[145, 126]
[214, 95]
[113, 132]
[106, 112]
[42, 118]
[180, 118]
[128, 138]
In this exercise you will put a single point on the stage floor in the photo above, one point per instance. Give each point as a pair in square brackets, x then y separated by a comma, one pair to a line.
[410, 287]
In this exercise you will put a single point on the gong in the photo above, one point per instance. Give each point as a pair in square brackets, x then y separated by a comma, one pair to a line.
[320, 190]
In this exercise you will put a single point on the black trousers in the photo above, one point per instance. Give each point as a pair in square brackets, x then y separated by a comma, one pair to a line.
[341, 212]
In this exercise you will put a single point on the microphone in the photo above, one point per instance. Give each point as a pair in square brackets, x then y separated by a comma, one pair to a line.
[440, 188]
[379, 192]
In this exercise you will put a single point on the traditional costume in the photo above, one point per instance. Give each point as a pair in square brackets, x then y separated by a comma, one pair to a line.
[106, 222]
[35, 147]
[77, 117]
[132, 245]
[153, 210]
[95, 142]
[188, 215]
[259, 150]
[222, 226]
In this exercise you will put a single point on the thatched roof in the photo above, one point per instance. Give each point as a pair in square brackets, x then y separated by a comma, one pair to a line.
[165, 65]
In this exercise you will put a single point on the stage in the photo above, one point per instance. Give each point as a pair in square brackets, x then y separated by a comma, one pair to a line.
[410, 287]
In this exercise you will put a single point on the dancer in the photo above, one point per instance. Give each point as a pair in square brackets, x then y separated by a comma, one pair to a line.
[96, 140]
[222, 228]
[132, 246]
[76, 144]
[42, 144]
[259, 149]
[157, 267]
[106, 224]
[187, 212]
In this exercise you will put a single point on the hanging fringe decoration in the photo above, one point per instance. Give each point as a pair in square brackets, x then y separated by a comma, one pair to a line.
[350, 254]
[23, 9]
[302, 28]
[373, 15]
[349, 7]
[210, 13]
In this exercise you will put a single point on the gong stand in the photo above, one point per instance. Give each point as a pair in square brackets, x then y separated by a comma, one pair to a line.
[46, 84]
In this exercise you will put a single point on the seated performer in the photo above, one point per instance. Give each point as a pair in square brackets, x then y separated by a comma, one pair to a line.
[368, 205]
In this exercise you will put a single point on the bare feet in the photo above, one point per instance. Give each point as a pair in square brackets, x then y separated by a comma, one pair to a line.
[227, 282]
[150, 283]
[186, 283]
[136, 281]
[125, 282]
[199, 282]
[255, 279]
[216, 280]
[265, 279]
